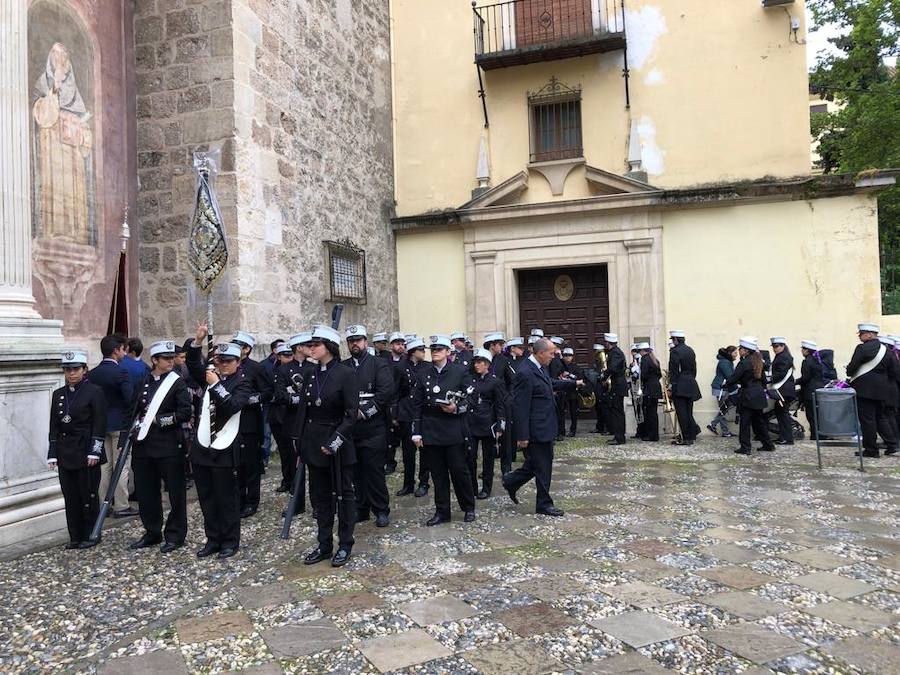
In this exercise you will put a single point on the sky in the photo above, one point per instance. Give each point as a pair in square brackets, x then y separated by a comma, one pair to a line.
[817, 41]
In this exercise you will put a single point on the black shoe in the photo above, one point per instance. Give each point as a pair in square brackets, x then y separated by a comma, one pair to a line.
[560, 438]
[388, 470]
[469, 517]
[421, 491]
[381, 520]
[437, 519]
[169, 546]
[405, 490]
[767, 448]
[598, 431]
[90, 543]
[613, 441]
[571, 433]
[484, 494]
[145, 542]
[551, 511]
[868, 453]
[511, 493]
[362, 517]
[340, 558]
[130, 512]
[892, 451]
[248, 511]
[189, 483]
[227, 552]
[779, 442]
[283, 488]
[741, 451]
[712, 430]
[682, 442]
[207, 550]
[316, 555]
[72, 545]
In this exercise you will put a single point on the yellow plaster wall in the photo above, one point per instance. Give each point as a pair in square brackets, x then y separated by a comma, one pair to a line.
[431, 283]
[719, 90]
[797, 269]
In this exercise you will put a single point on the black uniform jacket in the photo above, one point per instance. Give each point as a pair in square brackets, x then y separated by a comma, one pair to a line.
[488, 405]
[782, 364]
[878, 383]
[375, 384]
[615, 371]
[261, 390]
[409, 381]
[811, 377]
[503, 368]
[435, 426]
[327, 414]
[230, 396]
[164, 438]
[650, 374]
[683, 372]
[72, 442]
[288, 388]
[278, 406]
[753, 390]
[576, 373]
[462, 358]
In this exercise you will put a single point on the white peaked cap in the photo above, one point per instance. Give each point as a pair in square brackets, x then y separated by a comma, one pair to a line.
[599, 348]
[611, 337]
[557, 340]
[284, 348]
[493, 337]
[379, 337]
[483, 354]
[299, 339]
[537, 332]
[778, 341]
[415, 343]
[809, 344]
[643, 345]
[397, 336]
[74, 357]
[870, 327]
[229, 349]
[439, 341]
[886, 340]
[676, 333]
[568, 351]
[356, 331]
[244, 337]
[457, 336]
[515, 342]
[327, 333]
[749, 342]
[162, 347]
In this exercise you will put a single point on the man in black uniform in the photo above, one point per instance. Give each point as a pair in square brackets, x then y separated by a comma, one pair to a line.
[783, 384]
[288, 388]
[158, 450]
[503, 370]
[380, 343]
[557, 368]
[683, 383]
[461, 355]
[415, 349]
[871, 371]
[437, 428]
[812, 377]
[397, 358]
[486, 420]
[601, 387]
[261, 386]
[216, 453]
[375, 382]
[277, 410]
[571, 396]
[77, 432]
[617, 389]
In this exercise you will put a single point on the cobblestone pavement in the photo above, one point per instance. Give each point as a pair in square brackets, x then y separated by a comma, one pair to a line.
[685, 559]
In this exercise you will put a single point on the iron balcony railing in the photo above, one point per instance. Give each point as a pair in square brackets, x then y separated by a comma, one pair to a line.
[523, 25]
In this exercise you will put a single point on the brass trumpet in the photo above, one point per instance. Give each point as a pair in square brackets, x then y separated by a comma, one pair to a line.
[669, 408]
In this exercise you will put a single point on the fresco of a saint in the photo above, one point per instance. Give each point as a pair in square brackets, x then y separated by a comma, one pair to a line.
[63, 154]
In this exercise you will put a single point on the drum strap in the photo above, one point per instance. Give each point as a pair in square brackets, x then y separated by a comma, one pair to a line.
[869, 366]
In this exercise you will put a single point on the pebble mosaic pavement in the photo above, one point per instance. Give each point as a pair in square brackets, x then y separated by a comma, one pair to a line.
[668, 559]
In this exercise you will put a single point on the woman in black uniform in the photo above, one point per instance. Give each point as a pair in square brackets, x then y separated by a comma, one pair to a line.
[487, 421]
[324, 429]
[651, 391]
[750, 374]
[783, 383]
[77, 432]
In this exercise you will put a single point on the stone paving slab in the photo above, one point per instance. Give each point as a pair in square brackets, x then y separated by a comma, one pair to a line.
[437, 610]
[213, 626]
[152, 663]
[534, 619]
[307, 638]
[405, 649]
[741, 578]
[626, 664]
[644, 595]
[256, 597]
[519, 657]
[730, 553]
[868, 654]
[834, 585]
[853, 615]
[817, 558]
[745, 605]
[754, 643]
[341, 603]
[638, 629]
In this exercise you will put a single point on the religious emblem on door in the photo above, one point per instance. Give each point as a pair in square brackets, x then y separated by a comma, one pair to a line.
[564, 288]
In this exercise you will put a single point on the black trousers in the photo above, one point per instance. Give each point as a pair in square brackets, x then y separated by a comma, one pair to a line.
[785, 422]
[752, 419]
[488, 445]
[409, 458]
[572, 405]
[250, 471]
[448, 463]
[391, 445]
[323, 489]
[600, 410]
[79, 488]
[538, 465]
[616, 416]
[286, 453]
[684, 410]
[368, 476]
[220, 502]
[873, 420]
[650, 428]
[150, 473]
[810, 418]
[561, 414]
[507, 449]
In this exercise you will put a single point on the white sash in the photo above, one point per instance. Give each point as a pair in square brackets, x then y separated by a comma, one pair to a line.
[155, 402]
[225, 437]
[779, 385]
[869, 366]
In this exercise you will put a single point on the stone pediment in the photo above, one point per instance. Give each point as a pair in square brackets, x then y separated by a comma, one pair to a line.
[602, 183]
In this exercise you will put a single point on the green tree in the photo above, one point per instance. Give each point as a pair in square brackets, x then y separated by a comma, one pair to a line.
[865, 132]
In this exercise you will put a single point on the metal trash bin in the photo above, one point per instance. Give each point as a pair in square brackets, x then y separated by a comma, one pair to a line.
[835, 416]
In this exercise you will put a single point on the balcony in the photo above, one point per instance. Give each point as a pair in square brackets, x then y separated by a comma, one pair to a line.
[517, 32]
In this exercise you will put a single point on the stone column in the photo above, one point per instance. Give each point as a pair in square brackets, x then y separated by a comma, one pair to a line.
[30, 502]
[482, 295]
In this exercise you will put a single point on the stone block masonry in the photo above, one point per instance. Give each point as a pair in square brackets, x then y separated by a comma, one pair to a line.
[296, 94]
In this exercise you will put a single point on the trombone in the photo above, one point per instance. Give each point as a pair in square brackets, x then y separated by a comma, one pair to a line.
[669, 408]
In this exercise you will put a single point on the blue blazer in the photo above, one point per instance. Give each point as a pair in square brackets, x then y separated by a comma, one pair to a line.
[535, 407]
[118, 390]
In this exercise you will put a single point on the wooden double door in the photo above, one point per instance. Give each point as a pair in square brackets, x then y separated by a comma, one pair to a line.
[571, 302]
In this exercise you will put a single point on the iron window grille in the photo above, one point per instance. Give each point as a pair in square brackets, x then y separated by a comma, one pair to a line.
[346, 272]
[554, 122]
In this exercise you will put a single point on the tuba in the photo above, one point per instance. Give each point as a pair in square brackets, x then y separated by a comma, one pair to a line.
[602, 360]
[669, 408]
